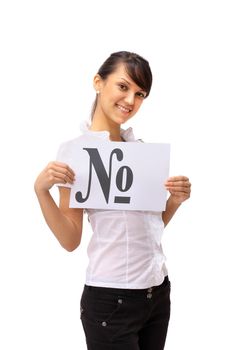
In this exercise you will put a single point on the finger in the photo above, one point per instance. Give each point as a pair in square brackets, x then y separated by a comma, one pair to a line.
[59, 180]
[180, 190]
[66, 171]
[177, 178]
[64, 178]
[62, 166]
[185, 184]
[62, 174]
[180, 196]
[176, 192]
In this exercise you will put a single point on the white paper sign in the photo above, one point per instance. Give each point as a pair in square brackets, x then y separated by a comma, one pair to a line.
[118, 175]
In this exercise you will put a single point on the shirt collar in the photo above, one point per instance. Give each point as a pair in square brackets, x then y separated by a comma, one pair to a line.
[126, 134]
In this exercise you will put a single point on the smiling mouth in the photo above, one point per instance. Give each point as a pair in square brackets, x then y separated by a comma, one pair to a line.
[124, 109]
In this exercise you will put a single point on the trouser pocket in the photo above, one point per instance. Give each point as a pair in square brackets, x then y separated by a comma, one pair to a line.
[102, 315]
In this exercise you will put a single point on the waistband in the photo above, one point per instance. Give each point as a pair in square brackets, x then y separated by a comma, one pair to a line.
[138, 292]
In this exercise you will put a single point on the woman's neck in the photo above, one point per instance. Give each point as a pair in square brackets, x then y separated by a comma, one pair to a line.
[105, 125]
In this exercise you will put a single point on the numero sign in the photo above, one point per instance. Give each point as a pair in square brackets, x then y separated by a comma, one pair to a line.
[104, 177]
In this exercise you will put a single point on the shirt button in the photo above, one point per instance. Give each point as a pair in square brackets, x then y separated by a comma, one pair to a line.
[119, 301]
[149, 290]
[149, 296]
[104, 324]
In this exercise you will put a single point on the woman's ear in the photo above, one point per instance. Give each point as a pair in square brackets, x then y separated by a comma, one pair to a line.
[97, 83]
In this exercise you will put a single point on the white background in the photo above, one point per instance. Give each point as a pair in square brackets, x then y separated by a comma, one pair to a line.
[50, 51]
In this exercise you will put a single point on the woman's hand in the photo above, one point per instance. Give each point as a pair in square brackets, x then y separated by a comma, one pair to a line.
[179, 188]
[54, 173]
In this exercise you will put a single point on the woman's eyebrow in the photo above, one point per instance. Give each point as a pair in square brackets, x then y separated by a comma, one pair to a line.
[130, 83]
[126, 81]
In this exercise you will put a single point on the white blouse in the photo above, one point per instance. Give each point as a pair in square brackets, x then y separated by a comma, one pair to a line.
[125, 249]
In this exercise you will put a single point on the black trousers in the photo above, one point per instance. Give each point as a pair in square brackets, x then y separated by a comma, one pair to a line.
[125, 319]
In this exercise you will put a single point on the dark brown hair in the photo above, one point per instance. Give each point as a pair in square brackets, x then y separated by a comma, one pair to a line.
[136, 66]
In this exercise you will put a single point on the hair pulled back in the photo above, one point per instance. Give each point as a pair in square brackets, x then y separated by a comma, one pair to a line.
[136, 67]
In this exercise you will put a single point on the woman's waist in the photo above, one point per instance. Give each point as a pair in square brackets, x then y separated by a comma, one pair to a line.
[133, 284]
[117, 267]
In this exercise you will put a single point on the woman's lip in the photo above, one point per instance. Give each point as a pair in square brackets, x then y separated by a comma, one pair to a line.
[124, 109]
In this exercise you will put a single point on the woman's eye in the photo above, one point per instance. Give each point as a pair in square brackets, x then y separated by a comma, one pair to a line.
[141, 94]
[122, 87]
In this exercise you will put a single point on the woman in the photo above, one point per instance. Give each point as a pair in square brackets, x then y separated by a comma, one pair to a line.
[125, 302]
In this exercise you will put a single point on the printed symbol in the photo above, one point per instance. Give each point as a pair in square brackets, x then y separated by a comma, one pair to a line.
[104, 178]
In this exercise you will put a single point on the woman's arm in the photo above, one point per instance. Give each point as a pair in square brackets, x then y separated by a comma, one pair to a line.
[64, 222]
[180, 189]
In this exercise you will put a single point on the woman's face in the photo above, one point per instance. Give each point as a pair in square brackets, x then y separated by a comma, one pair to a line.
[119, 98]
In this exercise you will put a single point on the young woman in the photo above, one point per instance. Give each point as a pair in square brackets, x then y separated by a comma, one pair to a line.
[125, 302]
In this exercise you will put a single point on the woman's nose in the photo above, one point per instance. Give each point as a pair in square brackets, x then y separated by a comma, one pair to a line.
[129, 98]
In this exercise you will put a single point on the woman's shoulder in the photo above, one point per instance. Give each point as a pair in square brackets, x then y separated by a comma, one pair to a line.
[65, 147]
[71, 142]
